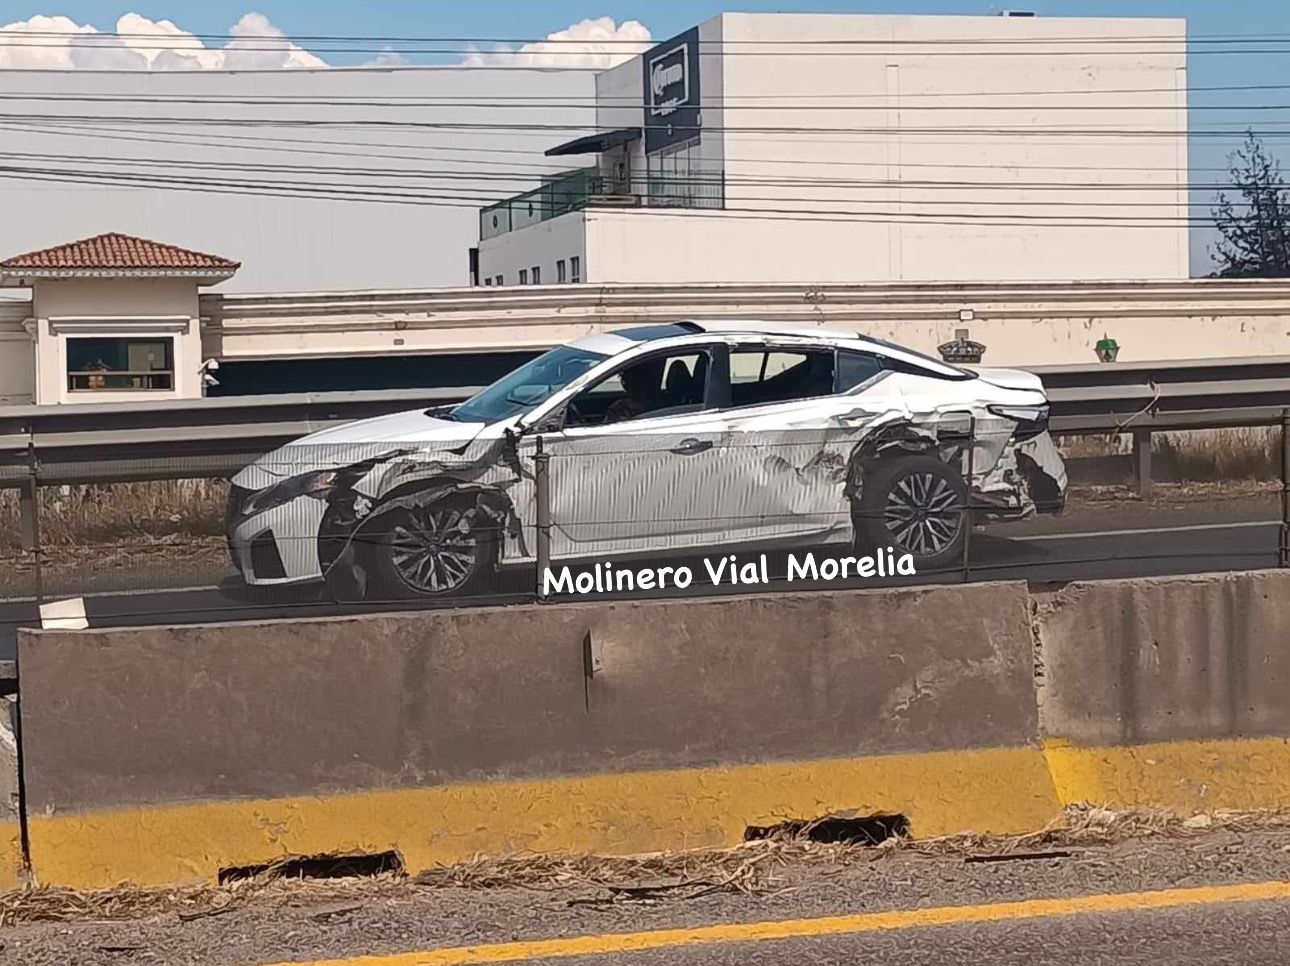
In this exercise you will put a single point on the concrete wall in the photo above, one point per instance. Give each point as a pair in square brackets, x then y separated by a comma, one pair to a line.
[1167, 658]
[164, 754]
[542, 245]
[304, 707]
[936, 146]
[17, 353]
[11, 856]
[1019, 324]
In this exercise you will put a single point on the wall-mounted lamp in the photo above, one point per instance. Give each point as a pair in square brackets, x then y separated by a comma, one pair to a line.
[1107, 349]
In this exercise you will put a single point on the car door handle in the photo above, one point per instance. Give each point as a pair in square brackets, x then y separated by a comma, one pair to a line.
[692, 446]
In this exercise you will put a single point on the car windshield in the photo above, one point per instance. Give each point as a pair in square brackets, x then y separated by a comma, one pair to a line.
[530, 384]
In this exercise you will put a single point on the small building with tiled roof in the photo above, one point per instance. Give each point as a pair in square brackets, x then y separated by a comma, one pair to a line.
[113, 318]
[114, 255]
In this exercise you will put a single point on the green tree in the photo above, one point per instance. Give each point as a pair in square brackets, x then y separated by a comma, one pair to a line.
[1254, 231]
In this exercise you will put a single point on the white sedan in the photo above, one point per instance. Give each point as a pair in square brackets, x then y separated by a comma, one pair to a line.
[662, 439]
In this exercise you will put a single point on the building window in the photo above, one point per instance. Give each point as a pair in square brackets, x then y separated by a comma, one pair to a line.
[537, 275]
[120, 365]
[575, 268]
[561, 275]
[524, 276]
[488, 282]
[498, 280]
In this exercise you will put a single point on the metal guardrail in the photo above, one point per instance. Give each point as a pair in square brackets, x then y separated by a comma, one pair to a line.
[104, 443]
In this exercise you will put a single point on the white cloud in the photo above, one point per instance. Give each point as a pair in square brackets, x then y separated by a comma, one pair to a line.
[596, 43]
[389, 57]
[143, 44]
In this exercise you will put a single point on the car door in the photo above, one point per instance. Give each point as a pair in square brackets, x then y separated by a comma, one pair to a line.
[791, 437]
[646, 483]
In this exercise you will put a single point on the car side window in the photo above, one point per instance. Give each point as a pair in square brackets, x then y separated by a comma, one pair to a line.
[770, 375]
[856, 368]
[664, 384]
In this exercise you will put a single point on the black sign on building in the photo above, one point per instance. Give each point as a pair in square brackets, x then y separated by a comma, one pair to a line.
[672, 91]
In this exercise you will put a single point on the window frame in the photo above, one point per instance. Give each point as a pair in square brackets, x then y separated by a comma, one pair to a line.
[171, 352]
[717, 374]
[767, 348]
[561, 275]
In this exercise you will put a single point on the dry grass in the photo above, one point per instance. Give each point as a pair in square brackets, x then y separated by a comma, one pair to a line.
[1207, 455]
[141, 513]
[747, 868]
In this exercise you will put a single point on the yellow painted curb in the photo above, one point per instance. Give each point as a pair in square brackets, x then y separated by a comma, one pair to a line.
[857, 924]
[11, 874]
[1188, 776]
[1002, 791]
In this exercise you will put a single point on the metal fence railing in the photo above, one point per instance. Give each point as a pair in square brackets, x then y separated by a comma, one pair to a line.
[68, 539]
[589, 186]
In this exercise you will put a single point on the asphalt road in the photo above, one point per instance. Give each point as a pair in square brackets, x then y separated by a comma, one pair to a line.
[1219, 898]
[1048, 558]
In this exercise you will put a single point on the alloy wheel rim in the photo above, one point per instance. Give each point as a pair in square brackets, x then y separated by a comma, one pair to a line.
[434, 550]
[922, 513]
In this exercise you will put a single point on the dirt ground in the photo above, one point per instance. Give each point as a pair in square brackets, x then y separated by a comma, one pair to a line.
[270, 921]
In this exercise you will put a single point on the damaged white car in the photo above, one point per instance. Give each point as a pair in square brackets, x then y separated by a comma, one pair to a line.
[661, 439]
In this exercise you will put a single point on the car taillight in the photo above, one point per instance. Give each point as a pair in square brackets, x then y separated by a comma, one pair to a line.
[1030, 420]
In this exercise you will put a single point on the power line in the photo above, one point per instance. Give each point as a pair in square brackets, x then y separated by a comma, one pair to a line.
[697, 180]
[266, 143]
[542, 128]
[593, 100]
[462, 199]
[895, 103]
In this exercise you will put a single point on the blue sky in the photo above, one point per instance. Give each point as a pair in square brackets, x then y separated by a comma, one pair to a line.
[533, 19]
[536, 18]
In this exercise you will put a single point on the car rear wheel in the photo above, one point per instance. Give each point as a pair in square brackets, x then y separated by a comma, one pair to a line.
[915, 505]
[431, 550]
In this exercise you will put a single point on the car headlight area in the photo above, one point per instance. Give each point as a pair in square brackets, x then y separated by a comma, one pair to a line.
[273, 532]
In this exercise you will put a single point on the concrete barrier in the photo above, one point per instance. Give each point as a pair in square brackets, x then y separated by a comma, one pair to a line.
[11, 853]
[157, 754]
[1168, 691]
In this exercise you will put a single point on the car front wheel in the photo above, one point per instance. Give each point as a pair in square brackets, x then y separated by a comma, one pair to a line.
[430, 550]
[915, 505]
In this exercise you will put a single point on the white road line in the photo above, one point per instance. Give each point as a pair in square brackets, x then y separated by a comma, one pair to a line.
[1145, 530]
[145, 592]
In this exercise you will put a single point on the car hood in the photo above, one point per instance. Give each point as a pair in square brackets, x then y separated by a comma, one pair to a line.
[1010, 378]
[351, 443]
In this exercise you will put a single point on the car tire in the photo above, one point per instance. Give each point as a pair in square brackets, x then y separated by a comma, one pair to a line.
[915, 505]
[429, 550]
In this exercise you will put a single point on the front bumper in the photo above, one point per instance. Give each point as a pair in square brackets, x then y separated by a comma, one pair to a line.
[278, 546]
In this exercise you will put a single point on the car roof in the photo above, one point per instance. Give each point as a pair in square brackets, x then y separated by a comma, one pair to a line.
[620, 340]
[644, 333]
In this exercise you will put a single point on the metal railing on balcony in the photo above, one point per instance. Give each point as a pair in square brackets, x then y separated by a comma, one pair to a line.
[588, 187]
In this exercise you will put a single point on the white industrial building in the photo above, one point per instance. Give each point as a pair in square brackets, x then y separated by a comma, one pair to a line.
[844, 148]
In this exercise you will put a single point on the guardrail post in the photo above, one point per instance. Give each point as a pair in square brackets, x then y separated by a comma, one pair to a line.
[29, 518]
[1142, 461]
[542, 495]
[1283, 543]
[967, 507]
